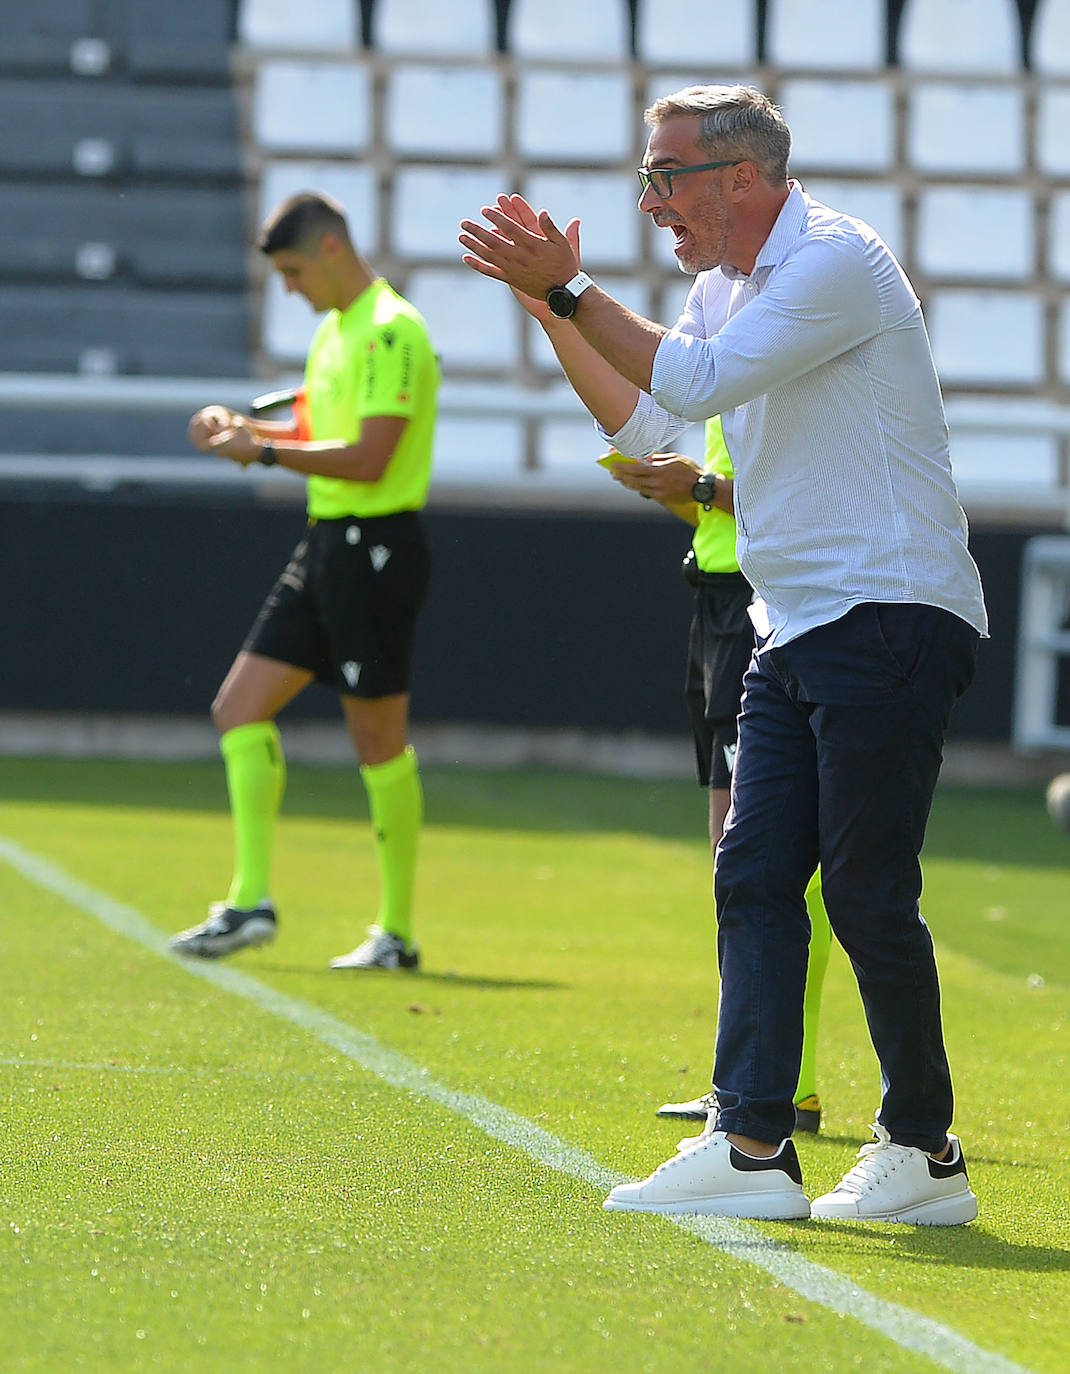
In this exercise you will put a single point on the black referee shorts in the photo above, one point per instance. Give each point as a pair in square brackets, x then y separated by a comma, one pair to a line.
[720, 645]
[346, 605]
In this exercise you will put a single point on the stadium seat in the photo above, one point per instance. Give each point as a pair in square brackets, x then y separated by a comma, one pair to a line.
[188, 42]
[176, 157]
[88, 211]
[485, 450]
[987, 338]
[840, 125]
[552, 105]
[432, 28]
[455, 111]
[176, 263]
[596, 30]
[1064, 343]
[473, 321]
[455, 192]
[39, 38]
[568, 450]
[352, 186]
[635, 294]
[103, 327]
[880, 205]
[980, 232]
[722, 35]
[1059, 236]
[605, 203]
[287, 323]
[960, 36]
[1050, 48]
[974, 128]
[314, 26]
[992, 460]
[826, 35]
[1052, 145]
[311, 106]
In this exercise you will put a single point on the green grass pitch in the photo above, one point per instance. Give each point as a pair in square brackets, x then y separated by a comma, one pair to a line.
[191, 1182]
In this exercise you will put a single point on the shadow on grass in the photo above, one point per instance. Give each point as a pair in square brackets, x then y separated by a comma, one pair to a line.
[954, 1245]
[415, 977]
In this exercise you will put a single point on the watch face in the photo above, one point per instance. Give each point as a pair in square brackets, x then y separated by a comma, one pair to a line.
[702, 490]
[562, 303]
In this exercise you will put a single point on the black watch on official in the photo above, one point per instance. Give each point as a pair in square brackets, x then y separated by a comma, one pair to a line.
[563, 300]
[705, 490]
[268, 457]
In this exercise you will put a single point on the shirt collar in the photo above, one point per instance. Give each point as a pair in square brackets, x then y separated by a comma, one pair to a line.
[782, 236]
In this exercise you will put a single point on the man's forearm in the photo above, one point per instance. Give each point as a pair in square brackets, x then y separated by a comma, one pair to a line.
[623, 339]
[607, 395]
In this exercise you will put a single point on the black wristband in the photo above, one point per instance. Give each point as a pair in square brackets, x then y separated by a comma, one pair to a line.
[268, 456]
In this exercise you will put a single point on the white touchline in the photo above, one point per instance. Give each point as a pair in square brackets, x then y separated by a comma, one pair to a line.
[909, 1329]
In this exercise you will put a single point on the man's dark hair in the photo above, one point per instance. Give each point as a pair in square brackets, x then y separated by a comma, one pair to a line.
[301, 221]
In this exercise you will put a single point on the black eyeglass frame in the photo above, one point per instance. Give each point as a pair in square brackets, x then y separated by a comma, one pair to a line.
[647, 175]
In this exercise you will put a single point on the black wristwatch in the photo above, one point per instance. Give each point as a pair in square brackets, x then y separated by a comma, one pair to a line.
[705, 490]
[268, 457]
[563, 300]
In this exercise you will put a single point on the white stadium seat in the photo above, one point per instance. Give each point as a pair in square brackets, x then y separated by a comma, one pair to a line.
[554, 107]
[634, 294]
[1059, 236]
[353, 187]
[1052, 144]
[604, 202]
[840, 125]
[1051, 38]
[987, 338]
[478, 449]
[473, 322]
[722, 35]
[979, 232]
[430, 202]
[433, 27]
[960, 36]
[880, 205]
[313, 26]
[996, 460]
[827, 35]
[288, 323]
[311, 106]
[592, 30]
[974, 129]
[454, 111]
[1064, 342]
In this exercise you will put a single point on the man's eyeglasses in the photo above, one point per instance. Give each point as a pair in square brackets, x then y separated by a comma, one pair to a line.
[660, 178]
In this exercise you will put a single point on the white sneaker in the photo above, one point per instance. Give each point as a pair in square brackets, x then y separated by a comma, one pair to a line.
[227, 929]
[900, 1183]
[715, 1179]
[380, 950]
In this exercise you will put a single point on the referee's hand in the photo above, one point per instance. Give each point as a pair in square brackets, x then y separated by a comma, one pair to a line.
[207, 423]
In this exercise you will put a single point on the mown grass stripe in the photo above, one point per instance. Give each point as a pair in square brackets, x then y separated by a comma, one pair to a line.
[905, 1327]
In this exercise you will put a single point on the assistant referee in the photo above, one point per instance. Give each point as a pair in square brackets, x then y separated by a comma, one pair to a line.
[344, 609]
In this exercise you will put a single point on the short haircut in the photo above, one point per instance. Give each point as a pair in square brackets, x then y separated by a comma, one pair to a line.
[300, 222]
[735, 120]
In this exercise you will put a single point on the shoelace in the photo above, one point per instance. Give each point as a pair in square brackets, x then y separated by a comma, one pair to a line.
[876, 1161]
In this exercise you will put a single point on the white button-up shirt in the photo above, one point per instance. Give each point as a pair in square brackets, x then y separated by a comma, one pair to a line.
[819, 365]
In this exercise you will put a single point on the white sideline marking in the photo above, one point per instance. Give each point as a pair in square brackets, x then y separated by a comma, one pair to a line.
[906, 1328]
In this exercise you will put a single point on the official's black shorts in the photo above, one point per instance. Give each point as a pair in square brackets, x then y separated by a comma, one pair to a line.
[346, 605]
[719, 649]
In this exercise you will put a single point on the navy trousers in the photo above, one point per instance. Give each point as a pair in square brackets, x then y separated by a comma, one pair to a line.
[840, 744]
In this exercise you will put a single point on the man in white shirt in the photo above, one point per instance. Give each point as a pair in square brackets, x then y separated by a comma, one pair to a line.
[802, 331]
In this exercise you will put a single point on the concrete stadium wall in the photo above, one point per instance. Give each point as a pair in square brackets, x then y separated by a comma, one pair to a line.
[120, 605]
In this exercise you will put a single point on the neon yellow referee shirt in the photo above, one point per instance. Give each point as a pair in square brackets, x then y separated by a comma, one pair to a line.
[374, 358]
[714, 540]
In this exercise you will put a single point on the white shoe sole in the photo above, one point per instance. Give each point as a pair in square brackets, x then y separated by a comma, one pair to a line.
[778, 1206]
[941, 1211]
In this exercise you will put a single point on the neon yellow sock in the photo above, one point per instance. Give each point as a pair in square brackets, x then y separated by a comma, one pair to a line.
[820, 943]
[396, 800]
[256, 779]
